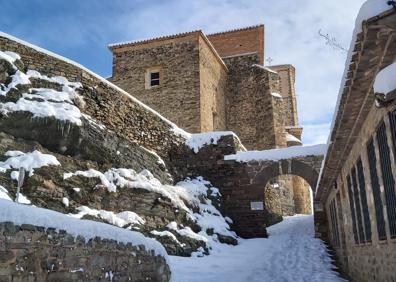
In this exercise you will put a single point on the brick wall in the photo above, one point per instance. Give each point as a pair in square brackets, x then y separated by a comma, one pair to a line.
[241, 41]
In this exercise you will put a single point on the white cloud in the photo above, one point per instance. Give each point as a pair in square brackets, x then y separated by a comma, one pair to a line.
[316, 133]
[291, 36]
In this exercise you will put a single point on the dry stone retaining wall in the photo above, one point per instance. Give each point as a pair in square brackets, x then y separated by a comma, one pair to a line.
[33, 253]
[105, 102]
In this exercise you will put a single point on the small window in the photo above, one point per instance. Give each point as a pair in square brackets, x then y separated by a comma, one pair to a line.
[154, 78]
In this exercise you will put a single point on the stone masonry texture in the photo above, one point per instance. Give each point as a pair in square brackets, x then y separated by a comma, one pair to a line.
[34, 253]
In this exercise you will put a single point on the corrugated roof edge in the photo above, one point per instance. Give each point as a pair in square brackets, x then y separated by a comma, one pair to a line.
[144, 41]
[348, 62]
[236, 29]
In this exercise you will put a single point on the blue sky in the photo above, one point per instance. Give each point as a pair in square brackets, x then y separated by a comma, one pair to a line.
[80, 30]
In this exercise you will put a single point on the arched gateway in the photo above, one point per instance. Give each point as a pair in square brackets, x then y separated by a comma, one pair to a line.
[242, 175]
[243, 199]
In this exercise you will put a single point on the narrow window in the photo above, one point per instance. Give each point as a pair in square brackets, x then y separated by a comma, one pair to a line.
[334, 223]
[154, 78]
[363, 199]
[352, 207]
[392, 119]
[379, 213]
[357, 206]
[387, 176]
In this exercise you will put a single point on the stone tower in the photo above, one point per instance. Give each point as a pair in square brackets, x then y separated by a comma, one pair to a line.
[206, 83]
[215, 82]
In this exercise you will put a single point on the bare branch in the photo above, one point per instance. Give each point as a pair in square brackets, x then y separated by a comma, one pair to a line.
[332, 41]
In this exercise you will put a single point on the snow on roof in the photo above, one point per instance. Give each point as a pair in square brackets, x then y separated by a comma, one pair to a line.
[264, 68]
[369, 9]
[278, 154]
[197, 141]
[385, 81]
[174, 127]
[21, 214]
[292, 138]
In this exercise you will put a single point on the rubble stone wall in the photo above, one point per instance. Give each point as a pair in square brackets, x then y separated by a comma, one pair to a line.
[33, 253]
[249, 100]
[106, 103]
[178, 95]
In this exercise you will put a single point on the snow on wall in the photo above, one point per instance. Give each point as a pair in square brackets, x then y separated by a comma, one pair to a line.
[369, 9]
[174, 127]
[276, 95]
[292, 138]
[385, 81]
[119, 219]
[9, 56]
[29, 161]
[199, 140]
[22, 214]
[278, 154]
[43, 102]
[264, 68]
[190, 195]
[4, 194]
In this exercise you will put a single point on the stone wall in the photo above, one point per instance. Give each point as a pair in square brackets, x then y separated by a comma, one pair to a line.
[287, 195]
[240, 41]
[301, 196]
[213, 75]
[112, 107]
[249, 104]
[370, 261]
[287, 90]
[33, 253]
[241, 183]
[178, 95]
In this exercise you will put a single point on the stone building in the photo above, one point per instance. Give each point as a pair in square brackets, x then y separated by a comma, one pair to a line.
[357, 182]
[219, 82]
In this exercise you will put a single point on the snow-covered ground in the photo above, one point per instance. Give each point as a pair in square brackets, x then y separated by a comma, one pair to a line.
[291, 253]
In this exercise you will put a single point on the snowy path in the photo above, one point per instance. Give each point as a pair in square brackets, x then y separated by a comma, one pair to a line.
[289, 254]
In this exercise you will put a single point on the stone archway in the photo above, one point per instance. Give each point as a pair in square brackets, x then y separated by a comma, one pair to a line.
[307, 168]
[244, 195]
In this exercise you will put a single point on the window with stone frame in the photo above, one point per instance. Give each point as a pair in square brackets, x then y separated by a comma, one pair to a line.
[153, 77]
[334, 223]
